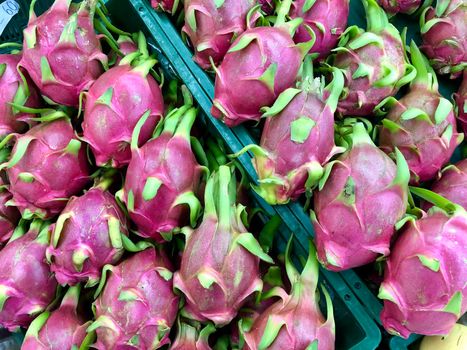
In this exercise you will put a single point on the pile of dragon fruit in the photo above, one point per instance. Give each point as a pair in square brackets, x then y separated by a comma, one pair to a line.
[126, 225]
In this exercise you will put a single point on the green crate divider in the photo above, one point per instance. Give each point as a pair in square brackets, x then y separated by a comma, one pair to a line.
[293, 215]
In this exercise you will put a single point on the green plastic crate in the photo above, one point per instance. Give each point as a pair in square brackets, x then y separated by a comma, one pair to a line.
[355, 329]
[293, 213]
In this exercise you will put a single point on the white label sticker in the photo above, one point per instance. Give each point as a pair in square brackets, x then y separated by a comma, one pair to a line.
[8, 9]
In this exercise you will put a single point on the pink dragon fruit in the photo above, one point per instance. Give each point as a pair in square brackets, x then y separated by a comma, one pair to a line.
[61, 329]
[126, 45]
[26, 285]
[137, 306]
[360, 185]
[421, 124]
[242, 90]
[47, 166]
[373, 62]
[163, 177]
[400, 6]
[188, 337]
[444, 36]
[211, 25]
[326, 18]
[61, 51]
[297, 139]
[220, 264]
[9, 216]
[83, 242]
[15, 89]
[295, 322]
[114, 104]
[169, 6]
[461, 99]
[424, 288]
[452, 184]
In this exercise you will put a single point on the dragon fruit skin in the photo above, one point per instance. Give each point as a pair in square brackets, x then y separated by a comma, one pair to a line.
[370, 80]
[169, 6]
[295, 322]
[267, 6]
[137, 305]
[48, 164]
[14, 90]
[61, 51]
[363, 183]
[424, 288]
[162, 179]
[421, 124]
[452, 184]
[86, 237]
[461, 99]
[26, 285]
[211, 27]
[400, 6]
[242, 90]
[114, 105]
[297, 139]
[61, 329]
[327, 19]
[444, 36]
[220, 265]
[9, 215]
[188, 338]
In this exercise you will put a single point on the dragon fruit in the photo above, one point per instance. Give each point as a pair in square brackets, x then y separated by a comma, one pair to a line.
[61, 329]
[188, 337]
[297, 139]
[358, 187]
[220, 264]
[452, 184]
[9, 216]
[424, 288]
[169, 6]
[211, 25]
[15, 89]
[400, 6]
[326, 18]
[47, 166]
[295, 322]
[163, 177]
[61, 51]
[444, 36]
[136, 307]
[87, 236]
[421, 124]
[114, 104]
[26, 285]
[242, 90]
[373, 62]
[461, 99]
[126, 45]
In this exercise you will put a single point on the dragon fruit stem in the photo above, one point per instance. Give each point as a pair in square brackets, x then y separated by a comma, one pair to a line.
[426, 76]
[173, 119]
[186, 123]
[225, 200]
[283, 11]
[402, 172]
[71, 297]
[145, 67]
[128, 59]
[36, 325]
[335, 88]
[437, 200]
[376, 18]
[360, 135]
